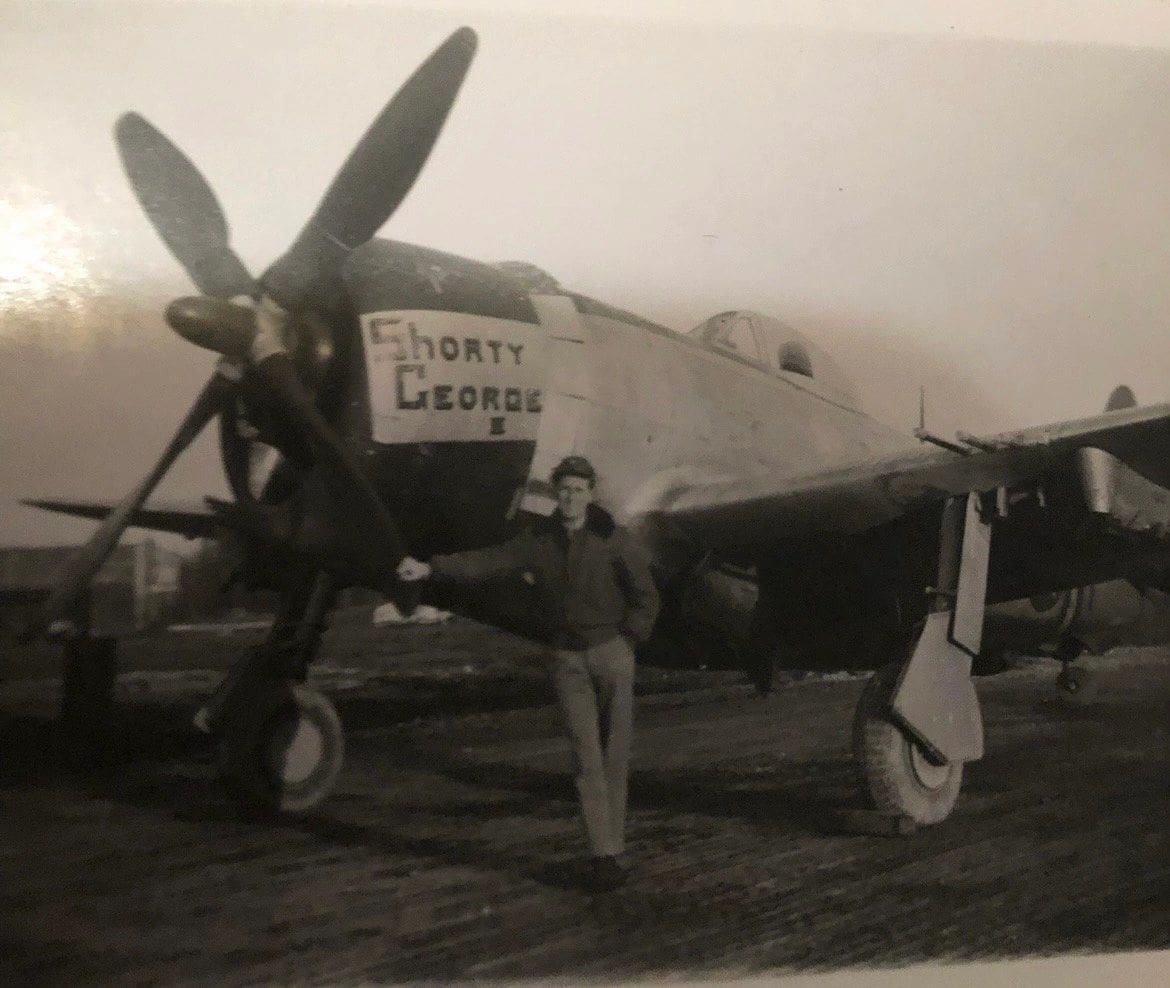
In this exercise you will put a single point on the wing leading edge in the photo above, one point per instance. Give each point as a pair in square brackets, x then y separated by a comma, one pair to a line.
[859, 497]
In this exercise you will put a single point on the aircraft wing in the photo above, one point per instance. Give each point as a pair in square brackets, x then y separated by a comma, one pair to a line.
[194, 521]
[860, 496]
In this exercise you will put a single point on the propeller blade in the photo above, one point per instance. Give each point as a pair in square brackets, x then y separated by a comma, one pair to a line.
[83, 564]
[181, 207]
[377, 175]
[347, 482]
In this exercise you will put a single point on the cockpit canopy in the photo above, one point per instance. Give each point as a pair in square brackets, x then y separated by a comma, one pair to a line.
[771, 346]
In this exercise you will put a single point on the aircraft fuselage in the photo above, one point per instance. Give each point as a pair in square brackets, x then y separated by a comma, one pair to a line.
[458, 362]
[461, 385]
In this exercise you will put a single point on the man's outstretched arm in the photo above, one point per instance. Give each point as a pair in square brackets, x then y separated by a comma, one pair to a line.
[472, 566]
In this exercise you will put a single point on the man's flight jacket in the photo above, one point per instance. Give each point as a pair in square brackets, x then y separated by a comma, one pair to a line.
[592, 585]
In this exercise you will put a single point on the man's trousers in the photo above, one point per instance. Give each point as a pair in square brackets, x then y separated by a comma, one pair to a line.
[596, 690]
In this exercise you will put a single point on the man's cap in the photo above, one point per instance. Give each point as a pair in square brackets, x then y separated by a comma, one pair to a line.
[574, 466]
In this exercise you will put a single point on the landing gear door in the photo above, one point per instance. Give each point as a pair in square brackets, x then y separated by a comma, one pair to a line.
[971, 583]
[569, 370]
[935, 698]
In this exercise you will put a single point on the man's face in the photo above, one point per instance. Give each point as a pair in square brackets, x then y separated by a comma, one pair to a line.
[574, 495]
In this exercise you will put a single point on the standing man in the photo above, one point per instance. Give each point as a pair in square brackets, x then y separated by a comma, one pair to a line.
[599, 600]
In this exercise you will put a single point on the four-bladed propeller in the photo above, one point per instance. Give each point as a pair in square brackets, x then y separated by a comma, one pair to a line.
[182, 208]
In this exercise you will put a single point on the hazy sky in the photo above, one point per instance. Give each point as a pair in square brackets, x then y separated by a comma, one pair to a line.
[979, 206]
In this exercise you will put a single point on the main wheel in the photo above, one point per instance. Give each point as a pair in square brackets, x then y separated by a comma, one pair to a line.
[284, 751]
[897, 774]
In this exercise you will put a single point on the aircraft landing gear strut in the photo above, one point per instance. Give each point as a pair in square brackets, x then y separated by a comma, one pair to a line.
[280, 742]
[88, 672]
[917, 723]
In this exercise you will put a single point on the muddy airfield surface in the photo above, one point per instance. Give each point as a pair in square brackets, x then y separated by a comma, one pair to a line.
[448, 848]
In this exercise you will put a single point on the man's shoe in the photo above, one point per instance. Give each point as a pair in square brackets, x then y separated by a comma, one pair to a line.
[605, 874]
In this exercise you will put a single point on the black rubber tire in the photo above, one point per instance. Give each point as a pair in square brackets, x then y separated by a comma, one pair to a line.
[895, 773]
[1078, 686]
[283, 753]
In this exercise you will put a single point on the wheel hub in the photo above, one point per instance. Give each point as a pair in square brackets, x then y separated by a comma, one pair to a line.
[930, 774]
[294, 751]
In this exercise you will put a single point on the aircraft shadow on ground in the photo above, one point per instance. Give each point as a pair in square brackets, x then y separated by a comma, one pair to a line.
[179, 771]
[798, 796]
[39, 746]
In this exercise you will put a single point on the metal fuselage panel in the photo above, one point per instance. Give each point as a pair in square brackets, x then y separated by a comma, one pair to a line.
[456, 369]
[665, 410]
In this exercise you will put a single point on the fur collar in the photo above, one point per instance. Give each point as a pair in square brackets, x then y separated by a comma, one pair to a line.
[597, 520]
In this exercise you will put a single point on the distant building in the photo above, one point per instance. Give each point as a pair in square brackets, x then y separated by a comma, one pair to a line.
[134, 590]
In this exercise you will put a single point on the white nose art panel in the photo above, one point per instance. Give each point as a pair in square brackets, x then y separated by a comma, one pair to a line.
[451, 377]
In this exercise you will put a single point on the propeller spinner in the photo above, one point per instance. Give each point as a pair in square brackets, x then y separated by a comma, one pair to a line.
[187, 216]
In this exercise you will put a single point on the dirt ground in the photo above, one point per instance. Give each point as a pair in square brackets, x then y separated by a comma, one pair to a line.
[448, 848]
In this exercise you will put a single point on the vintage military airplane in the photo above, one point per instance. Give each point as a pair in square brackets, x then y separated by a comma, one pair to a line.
[419, 399]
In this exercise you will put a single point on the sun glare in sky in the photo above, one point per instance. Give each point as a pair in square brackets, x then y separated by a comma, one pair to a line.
[43, 263]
